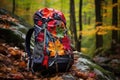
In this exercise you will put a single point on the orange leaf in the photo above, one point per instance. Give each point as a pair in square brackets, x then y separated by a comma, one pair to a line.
[47, 12]
[22, 64]
[56, 48]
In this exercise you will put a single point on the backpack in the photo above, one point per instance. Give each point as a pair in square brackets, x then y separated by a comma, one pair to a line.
[52, 50]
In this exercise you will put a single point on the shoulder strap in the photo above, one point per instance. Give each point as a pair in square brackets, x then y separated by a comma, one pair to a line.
[27, 41]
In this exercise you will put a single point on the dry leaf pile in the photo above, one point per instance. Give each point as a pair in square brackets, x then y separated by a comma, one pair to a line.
[5, 21]
[13, 65]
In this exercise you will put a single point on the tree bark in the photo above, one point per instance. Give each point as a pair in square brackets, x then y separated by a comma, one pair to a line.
[13, 9]
[80, 24]
[73, 23]
[99, 38]
[114, 21]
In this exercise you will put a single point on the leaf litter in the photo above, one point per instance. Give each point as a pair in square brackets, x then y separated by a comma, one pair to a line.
[13, 65]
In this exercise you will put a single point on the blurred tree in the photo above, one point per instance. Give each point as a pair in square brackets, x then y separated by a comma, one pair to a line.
[80, 24]
[13, 9]
[114, 21]
[119, 20]
[99, 38]
[73, 23]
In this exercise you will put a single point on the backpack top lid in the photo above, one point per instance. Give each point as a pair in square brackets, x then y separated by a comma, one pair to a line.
[46, 14]
[56, 22]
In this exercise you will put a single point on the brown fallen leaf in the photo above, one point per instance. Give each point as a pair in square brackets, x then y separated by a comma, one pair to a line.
[16, 76]
[3, 49]
[23, 64]
[80, 74]
[89, 78]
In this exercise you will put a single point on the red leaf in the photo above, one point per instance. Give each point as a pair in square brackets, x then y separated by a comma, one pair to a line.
[51, 27]
[40, 37]
[47, 12]
[39, 23]
[66, 43]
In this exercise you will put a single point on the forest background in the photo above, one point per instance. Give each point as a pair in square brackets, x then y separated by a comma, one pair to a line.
[93, 25]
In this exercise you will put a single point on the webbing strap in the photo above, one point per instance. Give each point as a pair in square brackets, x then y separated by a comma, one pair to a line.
[27, 41]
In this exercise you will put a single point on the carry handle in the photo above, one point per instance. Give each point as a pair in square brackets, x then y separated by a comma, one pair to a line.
[27, 41]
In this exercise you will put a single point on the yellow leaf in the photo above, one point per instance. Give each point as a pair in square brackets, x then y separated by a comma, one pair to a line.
[56, 48]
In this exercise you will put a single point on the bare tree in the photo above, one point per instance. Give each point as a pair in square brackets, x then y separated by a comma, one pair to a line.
[73, 23]
[80, 24]
[114, 21]
[99, 38]
[13, 9]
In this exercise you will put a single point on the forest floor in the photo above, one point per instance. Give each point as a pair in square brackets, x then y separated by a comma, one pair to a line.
[13, 65]
[110, 60]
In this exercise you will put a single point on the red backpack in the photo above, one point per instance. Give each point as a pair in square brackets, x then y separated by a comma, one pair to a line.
[52, 50]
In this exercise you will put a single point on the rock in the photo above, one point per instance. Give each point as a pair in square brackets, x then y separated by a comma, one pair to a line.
[13, 29]
[86, 68]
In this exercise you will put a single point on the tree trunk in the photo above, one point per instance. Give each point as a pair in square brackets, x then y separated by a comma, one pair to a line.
[119, 22]
[73, 23]
[13, 9]
[80, 24]
[99, 38]
[114, 22]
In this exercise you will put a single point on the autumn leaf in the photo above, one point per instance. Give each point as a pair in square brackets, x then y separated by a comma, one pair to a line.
[47, 12]
[56, 48]
[14, 71]
[66, 43]
[60, 29]
[3, 49]
[92, 74]
[40, 37]
[60, 32]
[83, 75]
[12, 51]
[22, 64]
[39, 23]
[102, 33]
[51, 27]
[17, 76]
[59, 47]
[56, 78]
[15, 51]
